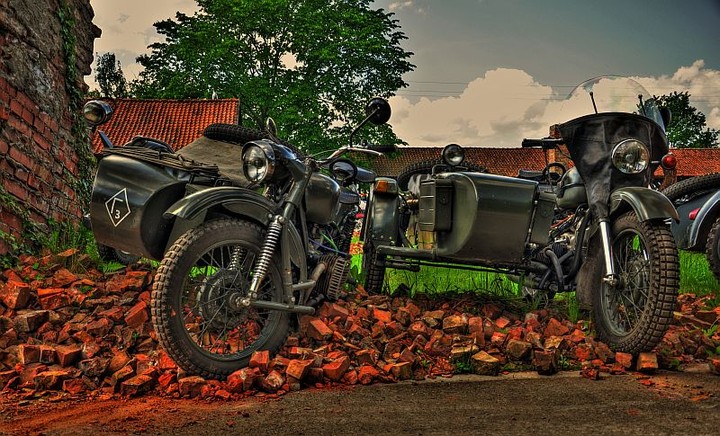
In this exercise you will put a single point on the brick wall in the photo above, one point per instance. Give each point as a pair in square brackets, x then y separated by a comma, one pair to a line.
[39, 165]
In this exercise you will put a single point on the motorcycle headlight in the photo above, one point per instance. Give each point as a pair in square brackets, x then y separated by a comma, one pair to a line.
[631, 156]
[453, 155]
[258, 161]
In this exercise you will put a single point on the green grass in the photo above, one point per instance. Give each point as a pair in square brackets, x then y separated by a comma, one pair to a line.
[695, 277]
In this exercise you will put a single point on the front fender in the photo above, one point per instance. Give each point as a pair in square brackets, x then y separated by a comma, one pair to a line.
[648, 204]
[239, 201]
[704, 220]
[236, 202]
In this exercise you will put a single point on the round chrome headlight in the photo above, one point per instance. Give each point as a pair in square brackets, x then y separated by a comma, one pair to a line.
[631, 156]
[453, 155]
[258, 161]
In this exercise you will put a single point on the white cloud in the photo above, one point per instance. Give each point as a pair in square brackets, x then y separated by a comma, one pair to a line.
[412, 5]
[506, 105]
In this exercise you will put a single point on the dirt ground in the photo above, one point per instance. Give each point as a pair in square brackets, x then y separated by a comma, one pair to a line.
[519, 403]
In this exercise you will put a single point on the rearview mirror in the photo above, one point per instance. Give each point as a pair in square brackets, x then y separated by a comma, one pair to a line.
[378, 109]
[666, 115]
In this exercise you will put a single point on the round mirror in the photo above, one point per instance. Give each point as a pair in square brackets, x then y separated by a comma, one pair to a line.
[453, 154]
[378, 109]
[343, 170]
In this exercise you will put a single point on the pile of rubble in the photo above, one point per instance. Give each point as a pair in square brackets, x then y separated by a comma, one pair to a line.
[69, 334]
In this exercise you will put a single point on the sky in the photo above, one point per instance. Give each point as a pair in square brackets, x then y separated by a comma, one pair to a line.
[491, 72]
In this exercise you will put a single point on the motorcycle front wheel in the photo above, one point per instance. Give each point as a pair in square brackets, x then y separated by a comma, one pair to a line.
[633, 316]
[196, 309]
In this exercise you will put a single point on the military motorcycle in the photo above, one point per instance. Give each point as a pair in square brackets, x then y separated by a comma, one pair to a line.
[239, 254]
[595, 228]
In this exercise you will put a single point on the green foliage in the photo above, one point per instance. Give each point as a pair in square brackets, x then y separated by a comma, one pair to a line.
[310, 64]
[109, 76]
[687, 128]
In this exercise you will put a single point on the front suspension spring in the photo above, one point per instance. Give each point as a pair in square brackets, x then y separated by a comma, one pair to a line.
[263, 264]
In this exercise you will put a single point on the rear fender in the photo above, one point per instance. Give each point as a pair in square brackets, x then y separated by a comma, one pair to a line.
[648, 204]
[704, 220]
[234, 202]
[382, 225]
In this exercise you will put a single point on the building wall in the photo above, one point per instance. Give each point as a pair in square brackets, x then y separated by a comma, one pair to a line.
[41, 156]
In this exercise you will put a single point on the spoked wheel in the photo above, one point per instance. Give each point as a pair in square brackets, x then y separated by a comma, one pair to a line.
[633, 316]
[197, 297]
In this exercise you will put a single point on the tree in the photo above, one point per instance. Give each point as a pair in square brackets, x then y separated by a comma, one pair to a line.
[109, 76]
[687, 128]
[310, 64]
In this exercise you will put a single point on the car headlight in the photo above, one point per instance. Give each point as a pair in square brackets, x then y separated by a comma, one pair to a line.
[631, 156]
[258, 161]
[453, 155]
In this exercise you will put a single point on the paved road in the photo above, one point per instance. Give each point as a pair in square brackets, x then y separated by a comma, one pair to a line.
[685, 403]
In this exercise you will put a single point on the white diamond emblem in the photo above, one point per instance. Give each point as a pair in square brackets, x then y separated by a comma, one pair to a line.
[118, 207]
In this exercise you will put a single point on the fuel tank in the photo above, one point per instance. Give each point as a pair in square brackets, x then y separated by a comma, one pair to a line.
[322, 199]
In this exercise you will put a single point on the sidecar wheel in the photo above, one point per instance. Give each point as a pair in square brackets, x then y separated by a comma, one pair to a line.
[109, 254]
[693, 185]
[633, 316]
[712, 249]
[374, 266]
[195, 299]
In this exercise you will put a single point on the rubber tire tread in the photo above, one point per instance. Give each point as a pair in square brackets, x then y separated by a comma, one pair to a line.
[236, 134]
[426, 166]
[693, 184]
[374, 265]
[664, 284]
[160, 301]
[712, 249]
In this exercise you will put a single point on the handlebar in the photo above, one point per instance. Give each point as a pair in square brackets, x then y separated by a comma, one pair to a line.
[383, 148]
[544, 143]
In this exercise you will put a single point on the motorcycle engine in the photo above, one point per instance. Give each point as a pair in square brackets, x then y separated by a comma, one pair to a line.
[331, 282]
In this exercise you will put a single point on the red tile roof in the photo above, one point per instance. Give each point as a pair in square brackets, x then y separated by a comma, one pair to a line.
[504, 161]
[177, 122]
[697, 161]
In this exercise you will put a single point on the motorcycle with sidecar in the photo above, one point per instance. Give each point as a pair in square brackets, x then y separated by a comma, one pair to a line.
[246, 239]
[596, 228]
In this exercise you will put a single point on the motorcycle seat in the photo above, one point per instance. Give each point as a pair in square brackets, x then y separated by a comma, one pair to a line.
[530, 175]
[365, 176]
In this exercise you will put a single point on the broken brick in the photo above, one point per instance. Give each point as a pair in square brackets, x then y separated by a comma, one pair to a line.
[402, 371]
[556, 328]
[647, 362]
[336, 369]
[298, 369]
[485, 364]
[546, 361]
[241, 380]
[455, 324]
[260, 360]
[273, 381]
[318, 330]
[191, 386]
[137, 315]
[518, 350]
[367, 374]
[136, 385]
[15, 295]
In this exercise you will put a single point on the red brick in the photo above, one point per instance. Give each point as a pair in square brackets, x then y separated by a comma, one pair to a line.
[584, 352]
[647, 362]
[16, 189]
[318, 330]
[16, 295]
[137, 315]
[47, 354]
[50, 379]
[166, 379]
[455, 324]
[74, 386]
[381, 315]
[518, 350]
[191, 386]
[546, 361]
[272, 382]
[402, 371]
[367, 374]
[136, 385]
[556, 328]
[336, 369]
[298, 369]
[260, 360]
[67, 355]
[241, 380]
[28, 353]
[100, 327]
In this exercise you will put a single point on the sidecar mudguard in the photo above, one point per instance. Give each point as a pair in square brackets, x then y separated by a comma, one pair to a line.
[382, 226]
[700, 227]
[236, 202]
[648, 204]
